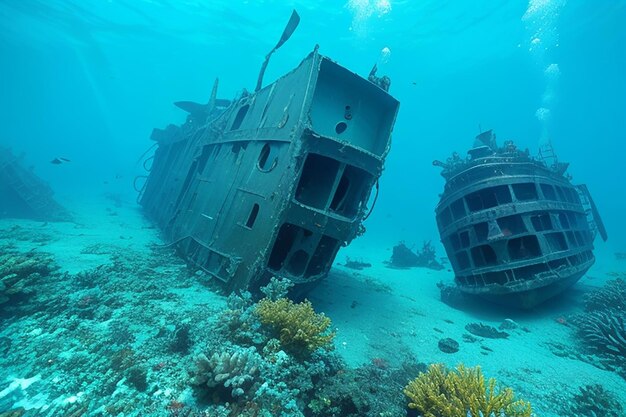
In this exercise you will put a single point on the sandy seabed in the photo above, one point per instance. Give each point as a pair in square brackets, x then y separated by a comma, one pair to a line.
[381, 314]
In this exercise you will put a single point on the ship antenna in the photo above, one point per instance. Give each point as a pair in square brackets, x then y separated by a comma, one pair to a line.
[289, 29]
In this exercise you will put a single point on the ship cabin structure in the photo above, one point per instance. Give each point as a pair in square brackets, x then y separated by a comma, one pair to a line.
[516, 230]
[274, 182]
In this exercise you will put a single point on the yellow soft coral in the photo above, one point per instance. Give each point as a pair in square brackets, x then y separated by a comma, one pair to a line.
[298, 327]
[443, 393]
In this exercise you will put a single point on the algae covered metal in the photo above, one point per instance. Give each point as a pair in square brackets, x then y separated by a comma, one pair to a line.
[516, 230]
[274, 182]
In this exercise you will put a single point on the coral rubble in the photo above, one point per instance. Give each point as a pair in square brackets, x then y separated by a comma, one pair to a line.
[20, 272]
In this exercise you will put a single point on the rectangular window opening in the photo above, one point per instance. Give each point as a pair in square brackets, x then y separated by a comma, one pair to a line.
[541, 222]
[556, 241]
[484, 255]
[316, 181]
[455, 242]
[252, 216]
[488, 198]
[512, 225]
[525, 192]
[530, 272]
[323, 257]
[462, 260]
[481, 230]
[465, 240]
[548, 192]
[458, 209]
[524, 247]
[499, 277]
[350, 191]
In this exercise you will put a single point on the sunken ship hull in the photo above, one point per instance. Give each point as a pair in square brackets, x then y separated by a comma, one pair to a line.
[276, 181]
[516, 230]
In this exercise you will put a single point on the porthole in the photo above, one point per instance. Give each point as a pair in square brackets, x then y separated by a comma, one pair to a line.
[341, 127]
[267, 158]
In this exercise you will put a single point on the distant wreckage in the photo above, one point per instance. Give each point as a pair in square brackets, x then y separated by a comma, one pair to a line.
[274, 182]
[515, 228]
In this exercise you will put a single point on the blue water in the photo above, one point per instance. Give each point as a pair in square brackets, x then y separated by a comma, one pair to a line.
[88, 80]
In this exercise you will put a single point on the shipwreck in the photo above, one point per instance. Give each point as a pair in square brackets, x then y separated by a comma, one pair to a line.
[23, 194]
[275, 181]
[516, 230]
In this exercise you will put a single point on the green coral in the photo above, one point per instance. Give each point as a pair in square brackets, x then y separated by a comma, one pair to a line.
[440, 392]
[298, 327]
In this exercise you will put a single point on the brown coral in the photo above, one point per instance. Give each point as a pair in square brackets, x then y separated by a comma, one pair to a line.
[299, 329]
[18, 272]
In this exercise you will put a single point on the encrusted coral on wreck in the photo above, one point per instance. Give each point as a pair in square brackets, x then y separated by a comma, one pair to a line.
[463, 391]
[299, 328]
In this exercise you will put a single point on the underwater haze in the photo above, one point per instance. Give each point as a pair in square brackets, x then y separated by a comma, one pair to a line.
[100, 317]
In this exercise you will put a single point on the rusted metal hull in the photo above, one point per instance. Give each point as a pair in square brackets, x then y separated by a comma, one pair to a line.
[515, 229]
[275, 183]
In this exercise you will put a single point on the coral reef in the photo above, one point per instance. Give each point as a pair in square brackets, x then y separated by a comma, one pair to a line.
[403, 257]
[610, 297]
[463, 391]
[602, 327]
[19, 272]
[593, 400]
[371, 390]
[235, 370]
[603, 332]
[299, 329]
[277, 288]
[271, 356]
[181, 338]
[240, 323]
[138, 377]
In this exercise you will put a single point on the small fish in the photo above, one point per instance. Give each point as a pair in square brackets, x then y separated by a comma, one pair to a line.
[59, 161]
